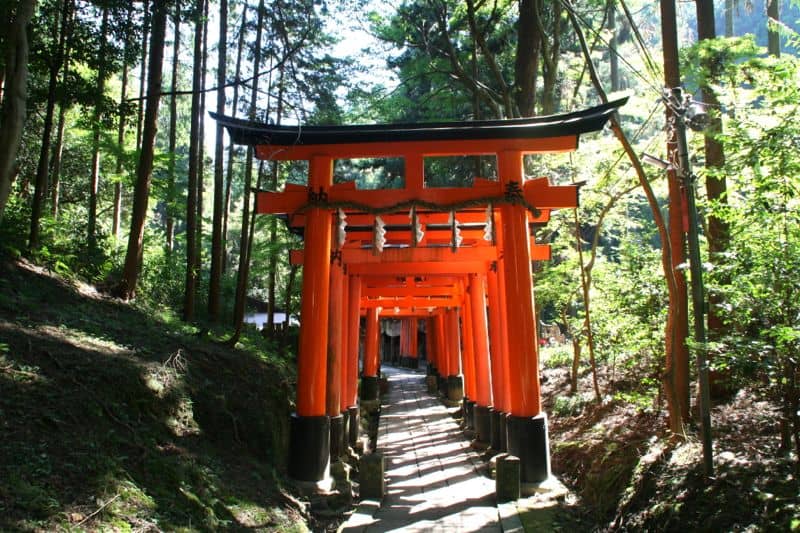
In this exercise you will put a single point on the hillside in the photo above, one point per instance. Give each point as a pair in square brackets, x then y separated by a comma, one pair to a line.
[115, 418]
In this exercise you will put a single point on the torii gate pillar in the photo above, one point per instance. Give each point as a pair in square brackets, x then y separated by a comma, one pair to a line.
[309, 431]
[527, 424]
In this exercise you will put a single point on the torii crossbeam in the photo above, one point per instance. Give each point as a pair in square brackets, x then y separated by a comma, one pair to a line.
[332, 268]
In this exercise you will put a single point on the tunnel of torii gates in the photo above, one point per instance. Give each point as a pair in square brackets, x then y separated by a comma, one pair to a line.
[458, 258]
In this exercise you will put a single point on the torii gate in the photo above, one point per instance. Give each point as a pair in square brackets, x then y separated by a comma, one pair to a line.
[512, 317]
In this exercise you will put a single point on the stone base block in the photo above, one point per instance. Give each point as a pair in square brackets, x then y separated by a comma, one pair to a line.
[481, 419]
[494, 428]
[371, 468]
[369, 388]
[337, 437]
[432, 383]
[455, 388]
[309, 448]
[507, 478]
[354, 420]
[528, 440]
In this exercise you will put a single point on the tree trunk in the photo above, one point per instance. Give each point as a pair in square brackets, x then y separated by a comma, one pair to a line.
[117, 217]
[144, 169]
[63, 106]
[142, 73]
[195, 140]
[94, 182]
[231, 147]
[173, 133]
[587, 321]
[729, 12]
[215, 281]
[246, 239]
[716, 186]
[58, 151]
[677, 369]
[287, 305]
[670, 276]
[613, 58]
[201, 157]
[526, 64]
[15, 96]
[272, 267]
[40, 187]
[773, 37]
[551, 53]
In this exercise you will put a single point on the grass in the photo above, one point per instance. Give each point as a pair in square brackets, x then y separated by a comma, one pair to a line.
[114, 418]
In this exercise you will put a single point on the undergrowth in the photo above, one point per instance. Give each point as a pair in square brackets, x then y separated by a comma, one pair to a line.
[120, 418]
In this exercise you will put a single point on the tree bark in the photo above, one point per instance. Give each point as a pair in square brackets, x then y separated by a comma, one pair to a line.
[231, 147]
[773, 37]
[729, 12]
[215, 280]
[272, 267]
[716, 185]
[117, 217]
[15, 96]
[63, 106]
[143, 73]
[144, 169]
[677, 369]
[201, 157]
[94, 182]
[195, 140]
[526, 64]
[613, 58]
[246, 239]
[173, 132]
[670, 276]
[40, 187]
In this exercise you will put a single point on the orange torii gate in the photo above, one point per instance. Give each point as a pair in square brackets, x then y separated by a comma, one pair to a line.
[325, 386]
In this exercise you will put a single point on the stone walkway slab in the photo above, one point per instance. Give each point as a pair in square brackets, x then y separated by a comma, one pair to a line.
[434, 481]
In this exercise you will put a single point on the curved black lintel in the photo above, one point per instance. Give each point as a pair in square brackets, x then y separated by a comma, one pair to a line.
[575, 123]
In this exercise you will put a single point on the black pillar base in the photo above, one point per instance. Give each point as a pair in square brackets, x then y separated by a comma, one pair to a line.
[337, 437]
[309, 447]
[494, 428]
[442, 385]
[413, 363]
[355, 421]
[369, 388]
[469, 413]
[432, 370]
[455, 388]
[527, 439]
[481, 419]
[503, 432]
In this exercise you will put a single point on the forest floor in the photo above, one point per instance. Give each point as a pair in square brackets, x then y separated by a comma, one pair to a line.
[627, 474]
[115, 418]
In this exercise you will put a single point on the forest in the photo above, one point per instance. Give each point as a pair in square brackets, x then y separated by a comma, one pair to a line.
[133, 260]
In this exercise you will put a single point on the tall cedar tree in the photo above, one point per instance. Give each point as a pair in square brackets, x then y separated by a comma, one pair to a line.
[63, 106]
[173, 131]
[232, 147]
[215, 280]
[40, 187]
[192, 264]
[676, 374]
[15, 96]
[718, 233]
[245, 242]
[98, 116]
[117, 216]
[144, 169]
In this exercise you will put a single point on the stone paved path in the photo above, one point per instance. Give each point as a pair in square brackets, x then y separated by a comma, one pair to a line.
[432, 479]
